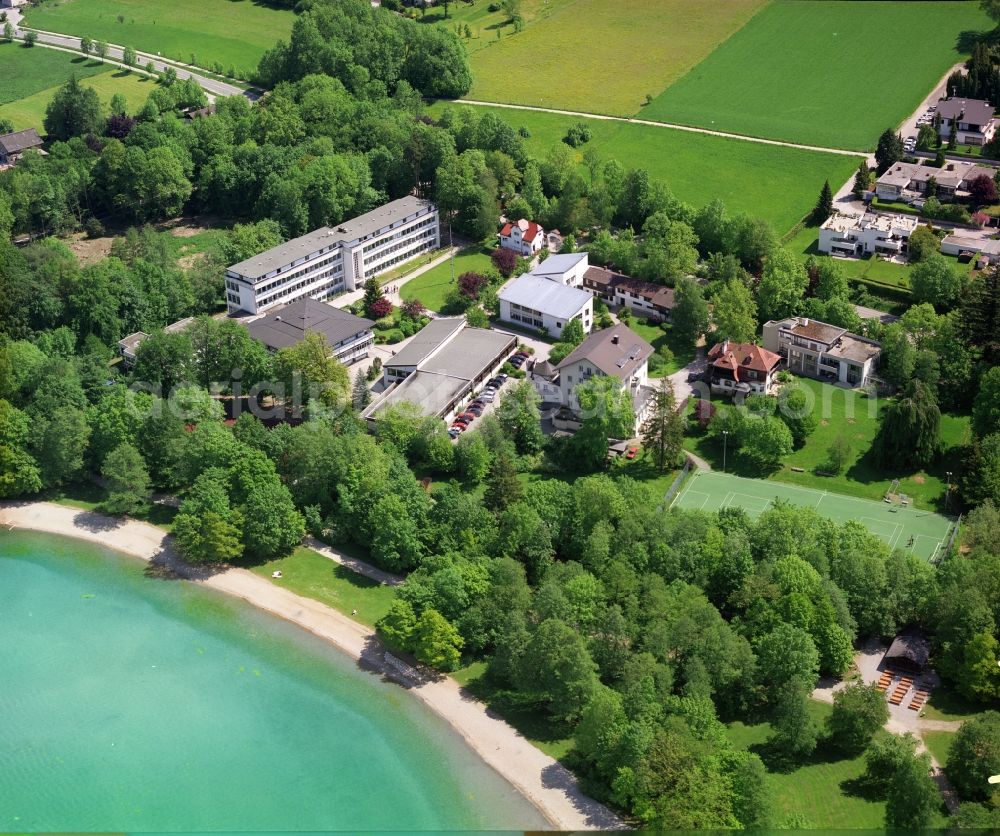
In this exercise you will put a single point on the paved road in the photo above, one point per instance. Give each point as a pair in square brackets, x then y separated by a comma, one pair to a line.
[213, 87]
[669, 125]
[909, 125]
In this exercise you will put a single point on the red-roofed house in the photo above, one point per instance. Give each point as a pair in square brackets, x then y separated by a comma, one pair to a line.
[742, 368]
[524, 237]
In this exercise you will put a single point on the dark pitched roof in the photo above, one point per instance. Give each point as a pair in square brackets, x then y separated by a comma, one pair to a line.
[287, 326]
[910, 647]
[973, 111]
[617, 351]
[656, 293]
[20, 141]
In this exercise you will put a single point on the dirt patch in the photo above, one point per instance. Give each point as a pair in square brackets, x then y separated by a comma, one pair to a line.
[89, 250]
[186, 262]
[851, 421]
[919, 480]
[824, 423]
[189, 227]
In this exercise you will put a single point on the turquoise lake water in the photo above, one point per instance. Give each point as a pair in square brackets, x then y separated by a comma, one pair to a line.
[130, 703]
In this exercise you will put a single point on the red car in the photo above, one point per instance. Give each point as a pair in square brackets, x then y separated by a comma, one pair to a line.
[631, 453]
[468, 417]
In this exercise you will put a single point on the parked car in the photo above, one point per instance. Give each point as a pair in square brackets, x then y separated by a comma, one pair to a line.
[631, 453]
[693, 377]
[489, 398]
[454, 432]
[517, 362]
[467, 417]
[501, 377]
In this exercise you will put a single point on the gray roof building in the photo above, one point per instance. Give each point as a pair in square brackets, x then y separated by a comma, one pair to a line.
[973, 111]
[543, 295]
[19, 142]
[617, 351]
[328, 237]
[289, 325]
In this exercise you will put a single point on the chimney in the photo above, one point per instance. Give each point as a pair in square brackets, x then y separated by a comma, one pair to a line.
[614, 340]
[805, 320]
[951, 166]
[725, 346]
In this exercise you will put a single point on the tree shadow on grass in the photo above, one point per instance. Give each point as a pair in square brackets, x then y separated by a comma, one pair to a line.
[967, 40]
[777, 759]
[863, 788]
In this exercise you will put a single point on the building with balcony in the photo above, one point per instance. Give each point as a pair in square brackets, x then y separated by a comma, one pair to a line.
[441, 367]
[539, 303]
[349, 337]
[742, 369]
[653, 301]
[912, 182]
[971, 120]
[859, 235]
[616, 352]
[331, 260]
[825, 352]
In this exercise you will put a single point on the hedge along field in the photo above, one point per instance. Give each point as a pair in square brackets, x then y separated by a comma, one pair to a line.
[596, 56]
[769, 181]
[834, 73]
[30, 111]
[234, 33]
[28, 71]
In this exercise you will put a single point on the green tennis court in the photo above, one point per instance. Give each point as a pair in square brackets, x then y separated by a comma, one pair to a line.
[904, 527]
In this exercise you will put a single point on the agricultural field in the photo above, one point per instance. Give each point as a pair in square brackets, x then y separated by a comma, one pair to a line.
[233, 33]
[775, 183]
[28, 71]
[833, 73]
[30, 111]
[855, 417]
[594, 56]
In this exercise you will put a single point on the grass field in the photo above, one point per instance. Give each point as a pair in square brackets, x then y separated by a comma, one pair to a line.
[308, 573]
[938, 743]
[771, 182]
[657, 337]
[28, 71]
[822, 793]
[234, 33]
[834, 73]
[855, 417]
[600, 57]
[920, 532]
[432, 287]
[30, 111]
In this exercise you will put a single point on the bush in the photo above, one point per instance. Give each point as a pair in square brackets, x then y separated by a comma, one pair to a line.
[577, 135]
[393, 335]
[505, 261]
[494, 7]
[94, 228]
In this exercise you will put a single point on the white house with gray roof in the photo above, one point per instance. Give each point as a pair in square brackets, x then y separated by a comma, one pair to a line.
[331, 260]
[971, 120]
[538, 302]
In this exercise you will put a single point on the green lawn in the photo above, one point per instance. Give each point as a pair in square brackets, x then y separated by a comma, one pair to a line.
[29, 112]
[938, 743]
[28, 71]
[771, 182]
[946, 704]
[834, 73]
[823, 793]
[854, 416]
[234, 33]
[308, 573]
[594, 56]
[432, 287]
[657, 336]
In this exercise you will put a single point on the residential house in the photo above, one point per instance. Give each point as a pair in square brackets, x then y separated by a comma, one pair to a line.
[523, 237]
[12, 146]
[858, 235]
[350, 337]
[826, 352]
[331, 260]
[540, 303]
[742, 369]
[441, 367]
[987, 249]
[648, 299]
[128, 346]
[616, 352]
[910, 182]
[971, 120]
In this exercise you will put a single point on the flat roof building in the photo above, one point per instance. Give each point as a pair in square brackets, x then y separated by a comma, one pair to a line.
[442, 366]
[825, 352]
[538, 302]
[350, 337]
[331, 260]
[863, 234]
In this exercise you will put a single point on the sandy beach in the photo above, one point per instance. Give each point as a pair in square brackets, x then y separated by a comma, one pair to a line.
[549, 786]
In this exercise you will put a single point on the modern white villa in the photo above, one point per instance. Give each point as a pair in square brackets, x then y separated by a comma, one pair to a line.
[825, 352]
[331, 260]
[859, 235]
[909, 182]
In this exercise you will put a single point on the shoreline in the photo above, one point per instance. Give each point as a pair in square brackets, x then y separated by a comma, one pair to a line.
[544, 782]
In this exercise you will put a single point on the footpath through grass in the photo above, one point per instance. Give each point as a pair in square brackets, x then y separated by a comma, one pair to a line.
[834, 73]
[767, 181]
[234, 33]
[595, 56]
[432, 287]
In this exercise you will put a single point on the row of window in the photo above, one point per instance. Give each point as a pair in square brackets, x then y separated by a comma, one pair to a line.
[429, 223]
[335, 259]
[530, 311]
[381, 267]
[297, 288]
[527, 320]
